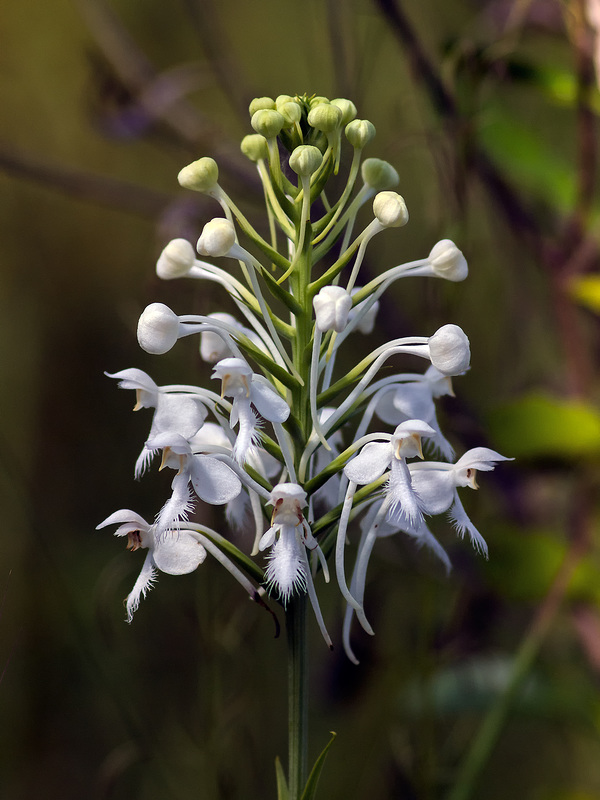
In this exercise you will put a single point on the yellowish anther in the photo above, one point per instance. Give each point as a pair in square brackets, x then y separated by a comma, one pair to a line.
[472, 478]
[167, 453]
[418, 445]
[408, 444]
[246, 384]
[138, 399]
[165, 458]
[224, 381]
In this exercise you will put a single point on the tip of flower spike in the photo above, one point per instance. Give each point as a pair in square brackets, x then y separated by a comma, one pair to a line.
[200, 176]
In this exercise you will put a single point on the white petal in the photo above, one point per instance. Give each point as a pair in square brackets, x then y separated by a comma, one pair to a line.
[435, 488]
[177, 507]
[370, 463]
[146, 390]
[178, 414]
[287, 571]
[248, 434]
[462, 523]
[142, 586]
[404, 502]
[213, 481]
[178, 553]
[267, 539]
[481, 458]
[268, 402]
[124, 515]
[414, 401]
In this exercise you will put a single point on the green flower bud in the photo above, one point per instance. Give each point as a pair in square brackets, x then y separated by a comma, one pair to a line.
[390, 210]
[291, 112]
[325, 117]
[379, 174]
[267, 122]
[254, 146]
[317, 101]
[306, 159]
[260, 102]
[282, 99]
[201, 175]
[347, 108]
[359, 132]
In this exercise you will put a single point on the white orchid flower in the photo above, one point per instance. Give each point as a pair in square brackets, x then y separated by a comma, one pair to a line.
[437, 482]
[401, 501]
[247, 390]
[289, 537]
[414, 399]
[377, 457]
[212, 480]
[176, 413]
[175, 552]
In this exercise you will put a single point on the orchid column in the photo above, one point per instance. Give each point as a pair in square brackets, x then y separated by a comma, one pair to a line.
[295, 453]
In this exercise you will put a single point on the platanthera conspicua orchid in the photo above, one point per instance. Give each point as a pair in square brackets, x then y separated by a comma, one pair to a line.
[327, 445]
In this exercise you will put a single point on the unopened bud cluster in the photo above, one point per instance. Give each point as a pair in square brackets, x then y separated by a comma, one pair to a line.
[311, 457]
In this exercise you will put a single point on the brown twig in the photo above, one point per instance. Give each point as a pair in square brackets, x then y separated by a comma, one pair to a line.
[84, 185]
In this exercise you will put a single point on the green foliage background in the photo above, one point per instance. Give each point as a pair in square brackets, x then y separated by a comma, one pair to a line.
[489, 112]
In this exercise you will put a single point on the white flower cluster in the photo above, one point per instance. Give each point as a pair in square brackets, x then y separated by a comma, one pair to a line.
[285, 438]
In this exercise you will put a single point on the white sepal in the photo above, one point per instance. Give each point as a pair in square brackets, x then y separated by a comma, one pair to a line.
[370, 463]
[178, 553]
[267, 401]
[213, 481]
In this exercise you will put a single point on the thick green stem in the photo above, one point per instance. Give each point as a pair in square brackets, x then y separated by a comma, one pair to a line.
[297, 695]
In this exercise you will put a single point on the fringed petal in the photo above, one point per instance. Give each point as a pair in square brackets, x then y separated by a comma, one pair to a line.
[248, 433]
[177, 507]
[405, 504]
[462, 523]
[287, 572]
[141, 587]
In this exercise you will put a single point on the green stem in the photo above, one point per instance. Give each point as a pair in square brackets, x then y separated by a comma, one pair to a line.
[297, 695]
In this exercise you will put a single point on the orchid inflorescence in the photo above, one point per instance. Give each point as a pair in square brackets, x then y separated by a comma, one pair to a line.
[286, 440]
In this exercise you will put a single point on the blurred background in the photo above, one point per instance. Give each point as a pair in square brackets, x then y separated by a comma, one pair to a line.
[488, 109]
